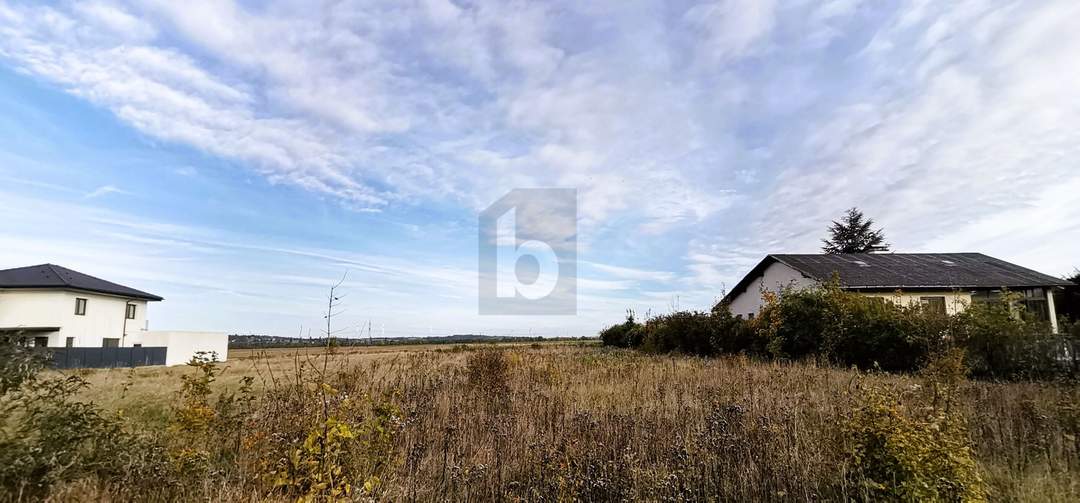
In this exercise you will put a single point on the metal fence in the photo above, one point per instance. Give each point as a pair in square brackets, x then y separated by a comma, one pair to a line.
[69, 358]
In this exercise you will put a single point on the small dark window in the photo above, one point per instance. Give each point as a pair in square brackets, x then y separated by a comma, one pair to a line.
[110, 343]
[70, 342]
[986, 296]
[933, 304]
[80, 307]
[131, 311]
[136, 345]
[41, 342]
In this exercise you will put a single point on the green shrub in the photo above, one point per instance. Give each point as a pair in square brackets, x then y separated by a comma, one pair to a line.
[910, 453]
[688, 332]
[18, 363]
[49, 438]
[733, 335]
[1002, 340]
[623, 335]
[851, 329]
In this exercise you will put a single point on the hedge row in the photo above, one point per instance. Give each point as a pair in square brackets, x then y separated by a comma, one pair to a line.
[851, 329]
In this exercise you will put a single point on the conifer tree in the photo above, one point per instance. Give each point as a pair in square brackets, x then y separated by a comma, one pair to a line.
[854, 234]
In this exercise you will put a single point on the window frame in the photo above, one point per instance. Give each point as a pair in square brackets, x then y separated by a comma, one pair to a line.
[130, 311]
[80, 306]
[927, 300]
[69, 342]
[105, 341]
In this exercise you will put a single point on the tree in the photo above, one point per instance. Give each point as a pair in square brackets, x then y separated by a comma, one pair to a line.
[853, 234]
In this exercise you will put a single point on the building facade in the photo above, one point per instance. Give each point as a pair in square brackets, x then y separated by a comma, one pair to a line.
[74, 318]
[51, 306]
[948, 282]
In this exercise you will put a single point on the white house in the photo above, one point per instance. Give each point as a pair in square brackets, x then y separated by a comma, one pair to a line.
[53, 306]
[948, 282]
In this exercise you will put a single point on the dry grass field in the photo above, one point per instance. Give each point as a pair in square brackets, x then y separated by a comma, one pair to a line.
[572, 422]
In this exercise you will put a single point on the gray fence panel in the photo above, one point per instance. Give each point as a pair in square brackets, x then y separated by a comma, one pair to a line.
[70, 358]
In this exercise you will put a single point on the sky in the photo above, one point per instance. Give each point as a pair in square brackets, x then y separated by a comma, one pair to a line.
[239, 158]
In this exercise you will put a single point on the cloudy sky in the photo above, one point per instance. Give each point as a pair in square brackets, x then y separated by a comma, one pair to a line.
[237, 158]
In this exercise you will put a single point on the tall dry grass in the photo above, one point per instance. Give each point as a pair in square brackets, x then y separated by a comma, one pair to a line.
[572, 423]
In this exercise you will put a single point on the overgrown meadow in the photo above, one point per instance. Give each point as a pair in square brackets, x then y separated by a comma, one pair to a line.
[532, 423]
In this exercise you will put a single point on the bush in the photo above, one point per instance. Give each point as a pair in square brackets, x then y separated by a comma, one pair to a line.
[900, 453]
[622, 335]
[851, 329]
[732, 335]
[18, 363]
[794, 323]
[49, 438]
[1002, 340]
[688, 332]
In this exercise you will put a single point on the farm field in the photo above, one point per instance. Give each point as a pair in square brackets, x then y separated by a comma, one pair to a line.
[580, 422]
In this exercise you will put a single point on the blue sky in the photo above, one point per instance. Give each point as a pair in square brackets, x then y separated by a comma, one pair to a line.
[238, 157]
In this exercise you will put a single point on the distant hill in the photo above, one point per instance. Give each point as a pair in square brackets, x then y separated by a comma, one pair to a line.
[237, 341]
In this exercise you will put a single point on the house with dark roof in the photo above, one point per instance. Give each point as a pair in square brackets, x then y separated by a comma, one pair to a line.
[53, 306]
[948, 282]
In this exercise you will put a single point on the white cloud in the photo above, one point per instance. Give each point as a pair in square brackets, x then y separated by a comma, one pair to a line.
[967, 124]
[706, 136]
[186, 171]
[631, 273]
[732, 28]
[380, 104]
[105, 190]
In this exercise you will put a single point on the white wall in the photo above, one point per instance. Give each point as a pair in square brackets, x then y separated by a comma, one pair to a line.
[777, 276]
[955, 302]
[33, 308]
[774, 278]
[105, 315]
[184, 345]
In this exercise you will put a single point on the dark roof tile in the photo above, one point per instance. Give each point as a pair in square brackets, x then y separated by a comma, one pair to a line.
[907, 271]
[54, 276]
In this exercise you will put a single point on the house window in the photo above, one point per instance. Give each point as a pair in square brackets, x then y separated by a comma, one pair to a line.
[1035, 304]
[986, 296]
[933, 304]
[110, 343]
[80, 307]
[70, 342]
[131, 311]
[136, 345]
[41, 342]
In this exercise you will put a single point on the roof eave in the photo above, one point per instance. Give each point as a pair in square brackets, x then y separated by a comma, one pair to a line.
[141, 296]
[743, 283]
[946, 287]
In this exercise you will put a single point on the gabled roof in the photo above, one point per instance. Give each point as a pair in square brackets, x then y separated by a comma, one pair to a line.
[906, 271]
[54, 276]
